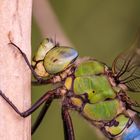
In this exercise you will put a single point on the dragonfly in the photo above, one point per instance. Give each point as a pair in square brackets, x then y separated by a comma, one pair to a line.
[85, 85]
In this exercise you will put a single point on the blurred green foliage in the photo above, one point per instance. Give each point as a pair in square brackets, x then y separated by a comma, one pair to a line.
[97, 28]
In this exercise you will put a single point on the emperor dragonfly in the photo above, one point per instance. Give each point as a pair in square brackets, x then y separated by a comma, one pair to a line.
[98, 93]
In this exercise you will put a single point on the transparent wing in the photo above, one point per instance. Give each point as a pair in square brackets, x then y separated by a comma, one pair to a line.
[126, 67]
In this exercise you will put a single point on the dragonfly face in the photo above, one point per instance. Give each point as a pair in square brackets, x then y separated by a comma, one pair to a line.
[86, 86]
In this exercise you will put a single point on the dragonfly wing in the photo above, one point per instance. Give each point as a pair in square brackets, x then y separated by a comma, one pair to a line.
[126, 66]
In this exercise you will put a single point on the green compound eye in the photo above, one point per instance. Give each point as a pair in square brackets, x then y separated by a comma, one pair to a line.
[57, 59]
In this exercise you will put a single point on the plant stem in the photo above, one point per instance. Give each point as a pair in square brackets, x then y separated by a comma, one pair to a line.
[15, 25]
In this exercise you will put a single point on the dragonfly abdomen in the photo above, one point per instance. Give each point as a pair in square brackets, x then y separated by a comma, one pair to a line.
[132, 133]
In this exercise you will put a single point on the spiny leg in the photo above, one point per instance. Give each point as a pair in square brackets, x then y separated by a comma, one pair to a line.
[26, 60]
[41, 115]
[47, 96]
[39, 80]
[67, 124]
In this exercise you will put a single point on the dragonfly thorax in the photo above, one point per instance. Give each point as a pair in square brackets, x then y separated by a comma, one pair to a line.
[97, 98]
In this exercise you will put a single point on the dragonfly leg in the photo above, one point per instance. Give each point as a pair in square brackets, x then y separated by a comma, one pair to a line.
[27, 61]
[39, 80]
[67, 124]
[50, 95]
[41, 115]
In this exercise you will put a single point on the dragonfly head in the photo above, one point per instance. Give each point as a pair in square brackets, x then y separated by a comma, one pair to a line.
[51, 58]
[37, 62]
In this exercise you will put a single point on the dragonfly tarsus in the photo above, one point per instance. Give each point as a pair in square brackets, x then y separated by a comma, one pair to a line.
[45, 97]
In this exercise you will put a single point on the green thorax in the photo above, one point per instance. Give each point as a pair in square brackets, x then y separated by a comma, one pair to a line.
[91, 78]
[101, 106]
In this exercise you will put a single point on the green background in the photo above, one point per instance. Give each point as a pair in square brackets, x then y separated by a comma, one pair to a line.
[97, 28]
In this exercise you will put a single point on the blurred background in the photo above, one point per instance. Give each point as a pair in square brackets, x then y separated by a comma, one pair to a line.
[98, 28]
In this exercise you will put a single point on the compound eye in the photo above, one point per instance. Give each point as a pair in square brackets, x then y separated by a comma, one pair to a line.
[59, 58]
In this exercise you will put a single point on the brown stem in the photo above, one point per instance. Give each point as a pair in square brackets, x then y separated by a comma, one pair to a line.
[15, 25]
